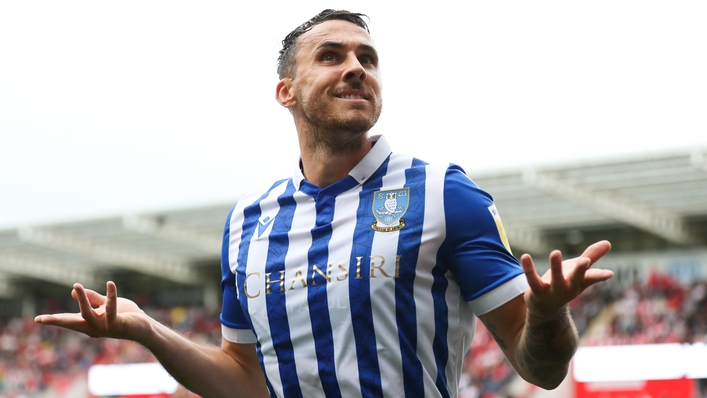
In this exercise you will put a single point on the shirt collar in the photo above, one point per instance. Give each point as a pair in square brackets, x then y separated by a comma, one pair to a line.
[365, 168]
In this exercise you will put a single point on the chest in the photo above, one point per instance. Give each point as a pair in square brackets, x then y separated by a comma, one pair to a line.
[303, 250]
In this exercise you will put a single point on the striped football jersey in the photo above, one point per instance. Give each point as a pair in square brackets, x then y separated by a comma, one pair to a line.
[368, 287]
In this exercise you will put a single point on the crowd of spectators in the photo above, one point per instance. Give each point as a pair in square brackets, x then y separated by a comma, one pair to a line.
[655, 311]
[486, 369]
[658, 310]
[34, 358]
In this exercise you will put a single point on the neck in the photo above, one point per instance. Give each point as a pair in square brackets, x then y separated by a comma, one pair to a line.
[325, 162]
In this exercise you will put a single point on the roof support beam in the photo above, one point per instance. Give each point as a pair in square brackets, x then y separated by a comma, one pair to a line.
[162, 266]
[7, 289]
[699, 160]
[664, 224]
[45, 269]
[155, 226]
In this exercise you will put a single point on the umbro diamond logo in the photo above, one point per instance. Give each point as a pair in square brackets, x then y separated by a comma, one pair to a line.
[264, 224]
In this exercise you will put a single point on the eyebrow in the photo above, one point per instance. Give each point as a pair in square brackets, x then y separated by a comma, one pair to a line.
[339, 45]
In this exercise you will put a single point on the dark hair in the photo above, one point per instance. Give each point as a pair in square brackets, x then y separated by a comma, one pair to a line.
[286, 60]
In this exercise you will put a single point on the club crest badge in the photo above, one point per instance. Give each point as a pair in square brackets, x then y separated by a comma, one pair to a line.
[389, 208]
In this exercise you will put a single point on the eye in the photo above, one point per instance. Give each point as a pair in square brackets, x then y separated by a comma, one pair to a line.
[328, 57]
[366, 59]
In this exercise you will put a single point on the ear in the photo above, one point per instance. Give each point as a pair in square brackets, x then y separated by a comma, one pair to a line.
[284, 93]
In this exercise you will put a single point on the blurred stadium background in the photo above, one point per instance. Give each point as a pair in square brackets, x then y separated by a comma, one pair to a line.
[652, 207]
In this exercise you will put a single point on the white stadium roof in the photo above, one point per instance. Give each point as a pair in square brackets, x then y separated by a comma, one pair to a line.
[649, 202]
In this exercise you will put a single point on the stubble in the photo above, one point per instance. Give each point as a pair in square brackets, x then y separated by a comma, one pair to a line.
[333, 133]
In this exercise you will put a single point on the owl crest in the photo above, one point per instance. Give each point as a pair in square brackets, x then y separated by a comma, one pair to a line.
[389, 206]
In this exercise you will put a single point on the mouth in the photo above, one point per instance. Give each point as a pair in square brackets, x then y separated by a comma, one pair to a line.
[352, 95]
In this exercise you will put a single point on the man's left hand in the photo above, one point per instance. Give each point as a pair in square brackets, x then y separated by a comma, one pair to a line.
[564, 281]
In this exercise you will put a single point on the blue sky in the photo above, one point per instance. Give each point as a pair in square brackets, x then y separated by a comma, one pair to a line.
[110, 108]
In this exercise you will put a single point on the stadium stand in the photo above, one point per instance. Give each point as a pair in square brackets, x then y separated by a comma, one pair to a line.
[652, 207]
[659, 310]
[36, 359]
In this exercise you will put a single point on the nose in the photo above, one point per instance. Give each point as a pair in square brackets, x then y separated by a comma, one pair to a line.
[354, 70]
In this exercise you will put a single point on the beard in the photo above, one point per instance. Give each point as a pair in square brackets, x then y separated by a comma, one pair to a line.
[338, 132]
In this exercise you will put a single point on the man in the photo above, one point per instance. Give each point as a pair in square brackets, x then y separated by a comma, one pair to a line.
[362, 274]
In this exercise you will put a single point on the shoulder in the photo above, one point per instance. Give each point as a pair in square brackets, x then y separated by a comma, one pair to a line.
[259, 193]
[249, 205]
[445, 182]
[457, 182]
[452, 178]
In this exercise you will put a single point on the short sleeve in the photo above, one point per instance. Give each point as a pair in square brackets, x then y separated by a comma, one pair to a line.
[476, 249]
[235, 325]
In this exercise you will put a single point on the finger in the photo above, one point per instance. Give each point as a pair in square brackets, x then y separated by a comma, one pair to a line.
[94, 298]
[85, 307]
[557, 275]
[595, 275]
[597, 250]
[577, 276]
[111, 301]
[74, 322]
[50, 319]
[534, 281]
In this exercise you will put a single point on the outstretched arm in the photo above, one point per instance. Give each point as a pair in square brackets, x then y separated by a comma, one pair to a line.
[230, 371]
[536, 331]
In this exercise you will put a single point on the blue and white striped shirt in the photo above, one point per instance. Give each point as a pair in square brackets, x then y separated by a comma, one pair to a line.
[368, 287]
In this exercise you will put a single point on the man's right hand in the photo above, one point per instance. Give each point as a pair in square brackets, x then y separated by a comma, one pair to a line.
[101, 316]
